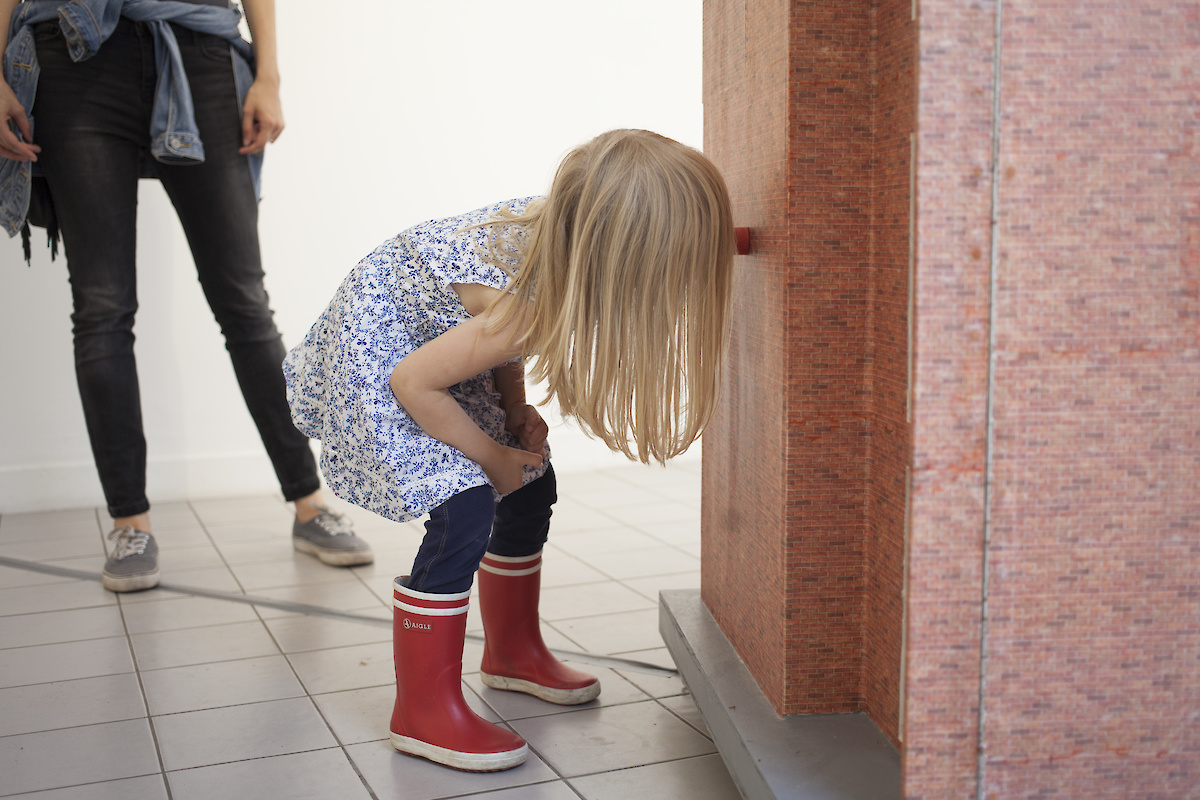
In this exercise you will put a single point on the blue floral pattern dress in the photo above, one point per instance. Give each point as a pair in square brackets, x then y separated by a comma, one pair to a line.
[395, 300]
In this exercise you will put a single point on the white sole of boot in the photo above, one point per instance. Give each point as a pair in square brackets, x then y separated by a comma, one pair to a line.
[561, 697]
[467, 762]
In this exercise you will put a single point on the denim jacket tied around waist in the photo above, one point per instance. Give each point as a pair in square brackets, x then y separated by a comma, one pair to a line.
[86, 24]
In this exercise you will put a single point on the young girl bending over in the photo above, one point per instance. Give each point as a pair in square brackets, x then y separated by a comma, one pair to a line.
[617, 284]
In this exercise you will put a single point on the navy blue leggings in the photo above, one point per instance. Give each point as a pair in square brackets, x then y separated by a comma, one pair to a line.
[462, 529]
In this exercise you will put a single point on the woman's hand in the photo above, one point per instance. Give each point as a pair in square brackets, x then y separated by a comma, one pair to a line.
[12, 113]
[262, 116]
[506, 469]
[524, 422]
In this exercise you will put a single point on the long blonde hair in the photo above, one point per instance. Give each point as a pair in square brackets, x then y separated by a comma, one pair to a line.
[626, 266]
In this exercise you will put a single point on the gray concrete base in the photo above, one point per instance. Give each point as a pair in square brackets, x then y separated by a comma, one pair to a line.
[802, 757]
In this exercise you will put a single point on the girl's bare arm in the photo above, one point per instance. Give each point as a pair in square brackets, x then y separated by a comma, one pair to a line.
[420, 383]
[521, 418]
[510, 384]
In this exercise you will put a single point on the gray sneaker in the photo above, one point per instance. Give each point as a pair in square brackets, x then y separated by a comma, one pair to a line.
[133, 564]
[328, 536]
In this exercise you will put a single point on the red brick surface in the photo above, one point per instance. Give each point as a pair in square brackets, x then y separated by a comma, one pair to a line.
[953, 242]
[805, 467]
[827, 360]
[894, 115]
[1091, 648]
[1092, 663]
[745, 131]
[1053, 554]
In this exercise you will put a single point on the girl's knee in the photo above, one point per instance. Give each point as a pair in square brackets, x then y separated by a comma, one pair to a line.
[456, 537]
[523, 518]
[535, 497]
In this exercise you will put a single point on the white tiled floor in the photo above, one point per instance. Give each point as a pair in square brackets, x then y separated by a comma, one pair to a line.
[165, 695]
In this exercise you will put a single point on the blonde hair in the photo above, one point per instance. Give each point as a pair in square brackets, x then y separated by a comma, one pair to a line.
[626, 267]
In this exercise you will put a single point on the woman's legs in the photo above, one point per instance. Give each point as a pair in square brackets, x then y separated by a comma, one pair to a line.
[92, 121]
[93, 124]
[218, 209]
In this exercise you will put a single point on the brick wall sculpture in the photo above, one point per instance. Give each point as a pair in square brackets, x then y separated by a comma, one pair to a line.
[809, 109]
[1059, 548]
[1047, 638]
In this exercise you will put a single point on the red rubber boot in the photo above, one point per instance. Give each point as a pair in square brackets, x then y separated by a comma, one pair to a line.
[514, 656]
[431, 719]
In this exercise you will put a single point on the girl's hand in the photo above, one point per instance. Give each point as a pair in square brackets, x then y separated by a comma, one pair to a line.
[13, 114]
[506, 471]
[524, 422]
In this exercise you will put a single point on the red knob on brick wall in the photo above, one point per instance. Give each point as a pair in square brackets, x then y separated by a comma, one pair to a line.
[742, 237]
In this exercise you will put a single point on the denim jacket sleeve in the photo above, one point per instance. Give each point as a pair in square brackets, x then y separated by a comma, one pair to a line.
[174, 137]
[21, 74]
[86, 24]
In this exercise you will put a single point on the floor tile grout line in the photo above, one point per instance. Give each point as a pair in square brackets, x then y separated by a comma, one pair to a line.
[309, 694]
[321, 713]
[252, 758]
[306, 694]
[162, 767]
[257, 609]
[562, 711]
[197, 591]
[69, 680]
[35, 792]
[642, 766]
[54, 610]
[368, 583]
[303, 608]
[533, 750]
[53, 644]
[238, 660]
[204, 527]
[623, 581]
[671, 711]
[622, 663]
[508, 723]
[76, 727]
[500, 789]
[598, 499]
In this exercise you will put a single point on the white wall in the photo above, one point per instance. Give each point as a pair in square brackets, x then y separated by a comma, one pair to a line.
[405, 112]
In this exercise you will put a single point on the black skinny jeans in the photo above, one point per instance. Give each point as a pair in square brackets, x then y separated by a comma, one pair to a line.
[93, 121]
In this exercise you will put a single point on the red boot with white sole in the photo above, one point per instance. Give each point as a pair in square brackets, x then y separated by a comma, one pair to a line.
[515, 658]
[431, 719]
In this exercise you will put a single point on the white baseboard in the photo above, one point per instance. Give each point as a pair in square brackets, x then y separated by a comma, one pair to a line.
[50, 487]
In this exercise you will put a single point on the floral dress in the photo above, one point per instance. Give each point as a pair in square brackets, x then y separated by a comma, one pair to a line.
[395, 300]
